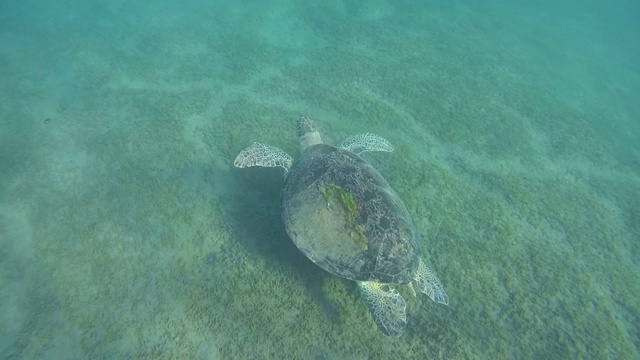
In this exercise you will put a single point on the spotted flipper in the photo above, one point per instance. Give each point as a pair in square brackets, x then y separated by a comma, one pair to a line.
[258, 154]
[429, 284]
[386, 306]
[365, 142]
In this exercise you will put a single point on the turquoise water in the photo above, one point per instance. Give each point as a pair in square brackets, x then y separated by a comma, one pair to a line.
[126, 232]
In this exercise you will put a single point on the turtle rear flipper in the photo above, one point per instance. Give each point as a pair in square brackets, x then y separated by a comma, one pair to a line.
[365, 142]
[386, 306]
[258, 154]
[429, 284]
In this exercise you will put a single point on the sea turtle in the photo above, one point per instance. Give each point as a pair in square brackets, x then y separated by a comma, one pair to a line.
[343, 215]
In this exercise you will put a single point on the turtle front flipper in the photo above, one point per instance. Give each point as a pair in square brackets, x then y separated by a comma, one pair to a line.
[429, 284]
[258, 154]
[365, 142]
[385, 305]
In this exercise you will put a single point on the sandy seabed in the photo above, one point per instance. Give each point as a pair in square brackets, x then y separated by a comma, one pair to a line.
[125, 231]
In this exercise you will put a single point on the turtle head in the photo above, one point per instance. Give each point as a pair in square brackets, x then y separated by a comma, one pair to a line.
[308, 133]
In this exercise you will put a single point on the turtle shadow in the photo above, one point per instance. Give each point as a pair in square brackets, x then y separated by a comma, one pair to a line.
[255, 218]
[255, 213]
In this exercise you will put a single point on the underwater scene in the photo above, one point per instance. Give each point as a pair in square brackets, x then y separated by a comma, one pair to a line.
[127, 232]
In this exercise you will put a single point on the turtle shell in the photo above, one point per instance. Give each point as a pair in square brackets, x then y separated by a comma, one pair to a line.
[343, 215]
